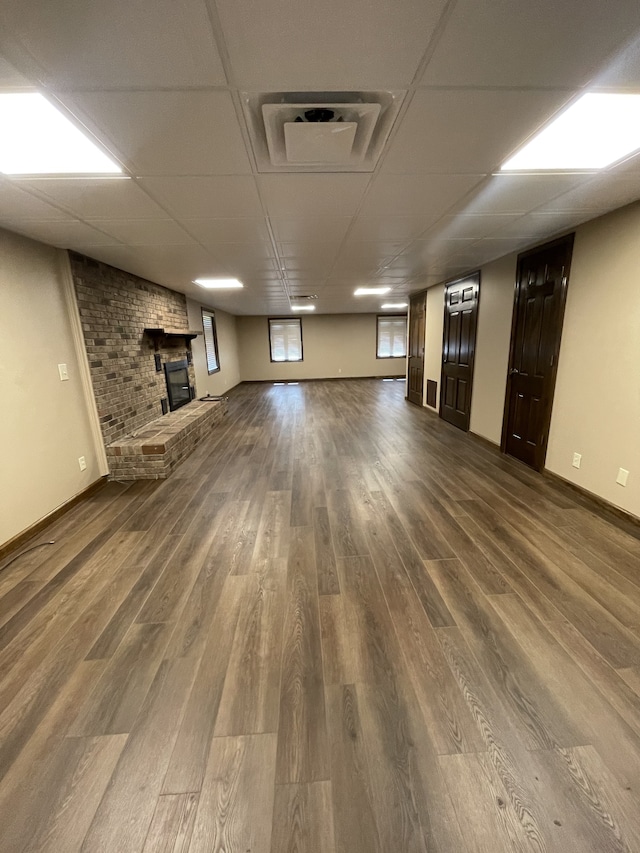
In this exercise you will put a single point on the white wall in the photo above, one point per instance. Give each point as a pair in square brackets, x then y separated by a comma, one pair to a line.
[493, 337]
[229, 374]
[596, 410]
[434, 329]
[596, 407]
[45, 424]
[334, 345]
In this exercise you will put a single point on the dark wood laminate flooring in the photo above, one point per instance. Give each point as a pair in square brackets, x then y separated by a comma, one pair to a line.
[342, 626]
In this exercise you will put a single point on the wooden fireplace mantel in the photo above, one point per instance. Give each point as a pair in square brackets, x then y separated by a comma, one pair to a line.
[160, 334]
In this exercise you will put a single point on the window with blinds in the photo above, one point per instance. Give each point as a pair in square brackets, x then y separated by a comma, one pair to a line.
[392, 336]
[210, 341]
[285, 339]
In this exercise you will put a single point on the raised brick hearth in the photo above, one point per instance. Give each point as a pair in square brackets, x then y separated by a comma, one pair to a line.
[133, 328]
[154, 451]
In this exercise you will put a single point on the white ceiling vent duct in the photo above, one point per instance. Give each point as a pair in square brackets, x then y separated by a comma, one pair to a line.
[320, 132]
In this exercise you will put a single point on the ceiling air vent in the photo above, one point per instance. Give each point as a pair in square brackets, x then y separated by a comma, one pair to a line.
[320, 131]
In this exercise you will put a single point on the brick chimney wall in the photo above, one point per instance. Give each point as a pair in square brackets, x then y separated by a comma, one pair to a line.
[115, 308]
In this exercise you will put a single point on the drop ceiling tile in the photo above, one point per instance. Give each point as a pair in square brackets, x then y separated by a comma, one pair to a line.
[10, 78]
[168, 133]
[308, 287]
[462, 263]
[495, 247]
[470, 226]
[555, 223]
[144, 232]
[176, 265]
[348, 283]
[530, 227]
[122, 257]
[242, 305]
[212, 197]
[518, 43]
[387, 228]
[266, 277]
[212, 231]
[630, 165]
[113, 43]
[426, 196]
[363, 269]
[286, 45]
[520, 193]
[383, 278]
[254, 254]
[311, 229]
[246, 271]
[296, 267]
[601, 194]
[289, 196]
[67, 234]
[17, 203]
[423, 282]
[99, 199]
[302, 276]
[424, 251]
[623, 72]
[373, 254]
[402, 269]
[454, 131]
[308, 250]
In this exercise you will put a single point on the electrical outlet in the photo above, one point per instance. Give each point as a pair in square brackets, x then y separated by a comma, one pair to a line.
[64, 373]
[577, 459]
[623, 474]
[82, 462]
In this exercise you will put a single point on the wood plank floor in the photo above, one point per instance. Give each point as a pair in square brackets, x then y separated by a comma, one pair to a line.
[341, 626]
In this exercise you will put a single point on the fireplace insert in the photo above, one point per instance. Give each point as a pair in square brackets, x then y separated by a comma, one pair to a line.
[178, 387]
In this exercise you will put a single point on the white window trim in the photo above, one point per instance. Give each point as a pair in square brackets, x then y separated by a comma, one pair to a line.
[210, 341]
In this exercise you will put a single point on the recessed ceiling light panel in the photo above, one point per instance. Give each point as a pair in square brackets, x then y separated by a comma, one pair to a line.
[303, 307]
[37, 139]
[371, 291]
[218, 283]
[395, 305]
[595, 131]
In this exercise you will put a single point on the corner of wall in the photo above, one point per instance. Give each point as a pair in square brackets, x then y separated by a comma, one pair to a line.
[69, 292]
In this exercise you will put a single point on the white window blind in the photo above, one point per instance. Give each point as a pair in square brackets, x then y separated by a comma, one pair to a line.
[285, 338]
[210, 342]
[392, 336]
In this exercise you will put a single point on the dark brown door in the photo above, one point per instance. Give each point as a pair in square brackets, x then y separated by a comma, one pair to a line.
[415, 366]
[458, 349]
[541, 287]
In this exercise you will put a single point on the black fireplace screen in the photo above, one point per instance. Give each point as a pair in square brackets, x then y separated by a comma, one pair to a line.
[178, 388]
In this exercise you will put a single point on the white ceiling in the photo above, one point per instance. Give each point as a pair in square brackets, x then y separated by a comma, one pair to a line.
[160, 84]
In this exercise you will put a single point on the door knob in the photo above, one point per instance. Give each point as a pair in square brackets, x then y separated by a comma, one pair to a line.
[513, 371]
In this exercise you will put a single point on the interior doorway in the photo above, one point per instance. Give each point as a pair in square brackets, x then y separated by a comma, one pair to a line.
[458, 349]
[541, 288]
[415, 360]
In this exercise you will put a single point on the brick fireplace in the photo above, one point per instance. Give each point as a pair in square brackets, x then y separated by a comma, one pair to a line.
[126, 363]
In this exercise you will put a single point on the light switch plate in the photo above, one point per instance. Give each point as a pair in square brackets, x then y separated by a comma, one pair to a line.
[64, 373]
[622, 476]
